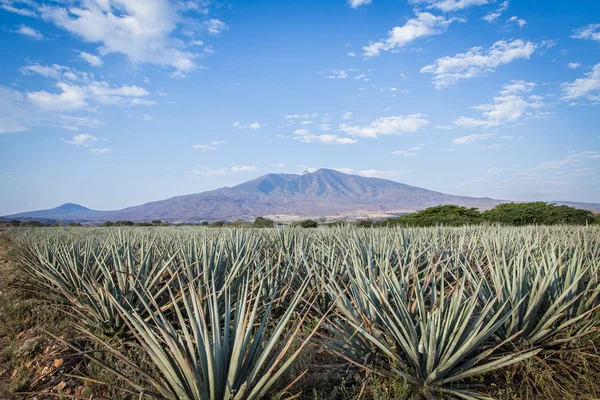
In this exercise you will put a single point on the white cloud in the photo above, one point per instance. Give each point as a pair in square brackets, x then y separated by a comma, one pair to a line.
[508, 107]
[204, 147]
[299, 116]
[243, 168]
[337, 74]
[448, 71]
[574, 159]
[215, 26]
[451, 5]
[103, 150]
[29, 32]
[307, 122]
[351, 54]
[493, 16]
[305, 136]
[83, 139]
[591, 32]
[58, 72]
[17, 114]
[358, 3]
[404, 153]
[425, 24]
[207, 172]
[218, 142]
[516, 87]
[21, 11]
[93, 60]
[347, 115]
[73, 97]
[518, 20]
[496, 170]
[10, 125]
[396, 125]
[376, 173]
[141, 30]
[573, 65]
[254, 125]
[473, 138]
[583, 87]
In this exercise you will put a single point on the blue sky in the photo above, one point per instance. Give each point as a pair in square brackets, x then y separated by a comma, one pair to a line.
[113, 103]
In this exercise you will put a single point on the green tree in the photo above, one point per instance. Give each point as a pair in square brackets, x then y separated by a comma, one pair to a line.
[107, 224]
[308, 223]
[447, 215]
[124, 223]
[537, 213]
[364, 223]
[34, 224]
[262, 222]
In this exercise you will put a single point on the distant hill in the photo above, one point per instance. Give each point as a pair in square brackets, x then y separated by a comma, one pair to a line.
[324, 193]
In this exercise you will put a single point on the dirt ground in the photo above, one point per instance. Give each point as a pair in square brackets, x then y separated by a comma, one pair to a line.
[30, 360]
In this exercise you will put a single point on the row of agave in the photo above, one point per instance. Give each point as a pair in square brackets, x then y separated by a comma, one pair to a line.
[222, 314]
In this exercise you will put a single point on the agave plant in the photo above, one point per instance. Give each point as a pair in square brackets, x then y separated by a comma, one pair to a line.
[89, 278]
[432, 342]
[212, 349]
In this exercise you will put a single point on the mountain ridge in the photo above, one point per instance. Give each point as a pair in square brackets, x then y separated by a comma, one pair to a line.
[324, 193]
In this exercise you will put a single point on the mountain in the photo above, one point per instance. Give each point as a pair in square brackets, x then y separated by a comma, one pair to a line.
[324, 193]
[66, 212]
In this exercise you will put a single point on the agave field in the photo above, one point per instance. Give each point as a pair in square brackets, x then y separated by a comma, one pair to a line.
[228, 313]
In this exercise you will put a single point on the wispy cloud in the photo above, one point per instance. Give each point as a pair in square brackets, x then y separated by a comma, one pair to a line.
[493, 16]
[510, 106]
[396, 125]
[476, 62]
[253, 125]
[519, 21]
[82, 139]
[91, 59]
[452, 5]
[358, 3]
[584, 87]
[103, 150]
[29, 32]
[306, 136]
[473, 138]
[215, 26]
[425, 24]
[591, 32]
[204, 147]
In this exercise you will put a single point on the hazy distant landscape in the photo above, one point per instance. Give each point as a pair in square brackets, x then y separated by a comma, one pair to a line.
[324, 194]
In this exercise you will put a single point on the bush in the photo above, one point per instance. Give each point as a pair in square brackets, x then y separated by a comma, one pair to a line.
[307, 223]
[218, 224]
[262, 222]
[124, 223]
[107, 224]
[34, 224]
[364, 223]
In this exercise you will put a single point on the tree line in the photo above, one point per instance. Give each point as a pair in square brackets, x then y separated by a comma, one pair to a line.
[511, 214]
